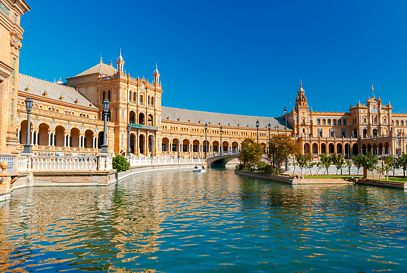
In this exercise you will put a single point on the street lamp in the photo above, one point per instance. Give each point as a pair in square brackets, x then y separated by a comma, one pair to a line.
[257, 128]
[221, 144]
[28, 106]
[128, 139]
[269, 128]
[206, 142]
[105, 113]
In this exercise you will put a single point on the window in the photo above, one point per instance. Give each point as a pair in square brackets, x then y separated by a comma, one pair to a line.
[344, 122]
[343, 132]
[320, 132]
[318, 121]
[141, 99]
[329, 122]
[334, 122]
[332, 133]
[339, 122]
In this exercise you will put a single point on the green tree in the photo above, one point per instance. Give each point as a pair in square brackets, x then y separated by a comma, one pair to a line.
[387, 165]
[338, 161]
[120, 163]
[250, 153]
[281, 148]
[302, 161]
[348, 164]
[326, 162]
[401, 162]
[358, 161]
[369, 163]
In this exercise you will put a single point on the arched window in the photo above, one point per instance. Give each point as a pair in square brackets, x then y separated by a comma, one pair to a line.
[323, 122]
[339, 122]
[344, 122]
[318, 121]
[329, 121]
[141, 99]
[334, 122]
[109, 95]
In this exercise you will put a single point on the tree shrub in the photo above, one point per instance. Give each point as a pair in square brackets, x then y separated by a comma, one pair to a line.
[120, 163]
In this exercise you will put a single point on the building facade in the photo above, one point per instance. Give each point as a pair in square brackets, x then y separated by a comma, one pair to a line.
[67, 117]
[365, 128]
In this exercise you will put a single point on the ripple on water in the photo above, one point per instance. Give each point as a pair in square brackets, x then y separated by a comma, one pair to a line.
[180, 222]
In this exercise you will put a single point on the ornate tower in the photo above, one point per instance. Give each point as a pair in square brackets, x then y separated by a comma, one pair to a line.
[10, 44]
[156, 75]
[301, 113]
[120, 62]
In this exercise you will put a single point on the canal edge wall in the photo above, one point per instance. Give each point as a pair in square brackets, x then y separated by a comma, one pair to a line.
[383, 184]
[84, 179]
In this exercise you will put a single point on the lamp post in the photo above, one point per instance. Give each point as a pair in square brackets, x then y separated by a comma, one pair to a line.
[29, 106]
[152, 148]
[221, 144]
[128, 139]
[269, 128]
[257, 129]
[206, 142]
[106, 105]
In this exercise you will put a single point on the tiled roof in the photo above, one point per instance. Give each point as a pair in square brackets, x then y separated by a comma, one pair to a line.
[100, 68]
[52, 91]
[169, 113]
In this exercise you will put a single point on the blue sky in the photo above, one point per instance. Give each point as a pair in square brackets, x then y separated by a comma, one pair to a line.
[230, 56]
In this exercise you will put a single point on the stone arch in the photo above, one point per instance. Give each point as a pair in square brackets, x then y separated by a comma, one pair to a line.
[386, 148]
[23, 132]
[315, 148]
[43, 134]
[347, 150]
[100, 139]
[225, 146]
[74, 139]
[206, 146]
[235, 147]
[59, 136]
[355, 149]
[323, 148]
[185, 145]
[215, 146]
[132, 117]
[307, 149]
[133, 141]
[88, 139]
[165, 143]
[142, 144]
[141, 118]
[150, 120]
[331, 148]
[339, 149]
[175, 145]
[195, 146]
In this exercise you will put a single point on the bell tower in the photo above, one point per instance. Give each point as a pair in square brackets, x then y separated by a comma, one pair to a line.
[156, 75]
[120, 62]
[301, 113]
[10, 44]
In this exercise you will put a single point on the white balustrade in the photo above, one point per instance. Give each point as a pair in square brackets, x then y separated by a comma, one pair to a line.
[55, 163]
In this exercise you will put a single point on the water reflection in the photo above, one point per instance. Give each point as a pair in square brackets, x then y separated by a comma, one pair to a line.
[181, 222]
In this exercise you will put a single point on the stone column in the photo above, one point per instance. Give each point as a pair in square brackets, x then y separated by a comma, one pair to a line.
[5, 182]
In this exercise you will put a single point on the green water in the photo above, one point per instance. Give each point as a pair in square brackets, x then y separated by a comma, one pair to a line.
[178, 221]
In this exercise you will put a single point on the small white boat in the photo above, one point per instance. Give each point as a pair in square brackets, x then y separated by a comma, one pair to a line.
[200, 169]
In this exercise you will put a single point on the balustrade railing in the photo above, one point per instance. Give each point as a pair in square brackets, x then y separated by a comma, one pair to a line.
[10, 161]
[145, 161]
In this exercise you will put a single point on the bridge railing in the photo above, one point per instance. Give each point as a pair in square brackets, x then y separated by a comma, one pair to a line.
[145, 161]
[217, 154]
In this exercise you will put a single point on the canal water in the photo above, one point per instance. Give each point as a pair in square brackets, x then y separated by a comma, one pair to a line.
[179, 221]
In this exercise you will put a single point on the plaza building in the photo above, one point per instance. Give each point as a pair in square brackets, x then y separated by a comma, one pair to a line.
[67, 116]
[365, 128]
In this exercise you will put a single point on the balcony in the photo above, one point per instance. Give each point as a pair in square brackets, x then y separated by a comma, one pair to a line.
[142, 126]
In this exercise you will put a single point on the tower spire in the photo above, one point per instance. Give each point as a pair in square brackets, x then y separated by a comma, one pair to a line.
[373, 91]
[120, 62]
[156, 74]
